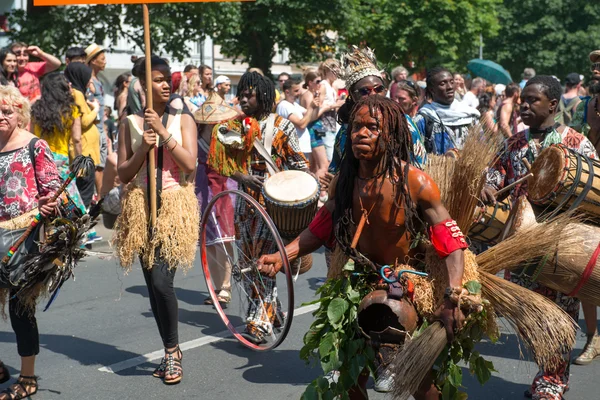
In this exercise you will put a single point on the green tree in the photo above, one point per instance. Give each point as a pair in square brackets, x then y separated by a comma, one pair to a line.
[249, 32]
[552, 36]
[422, 33]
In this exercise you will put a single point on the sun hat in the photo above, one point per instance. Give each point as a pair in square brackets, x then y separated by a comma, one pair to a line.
[92, 51]
[214, 110]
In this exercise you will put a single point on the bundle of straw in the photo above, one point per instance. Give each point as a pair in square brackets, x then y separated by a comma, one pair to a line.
[414, 362]
[479, 152]
[441, 170]
[532, 243]
[545, 329]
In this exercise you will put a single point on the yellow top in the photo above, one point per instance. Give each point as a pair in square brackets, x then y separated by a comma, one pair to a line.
[90, 137]
[58, 140]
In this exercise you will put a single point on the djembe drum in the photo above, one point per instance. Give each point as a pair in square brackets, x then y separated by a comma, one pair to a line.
[572, 271]
[563, 178]
[489, 223]
[291, 198]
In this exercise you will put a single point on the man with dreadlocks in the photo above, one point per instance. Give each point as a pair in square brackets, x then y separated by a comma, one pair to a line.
[279, 139]
[374, 209]
[445, 121]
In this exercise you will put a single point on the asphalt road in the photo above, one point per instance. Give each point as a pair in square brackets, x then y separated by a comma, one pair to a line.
[98, 335]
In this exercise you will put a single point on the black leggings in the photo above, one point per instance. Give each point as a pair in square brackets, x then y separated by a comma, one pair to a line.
[25, 326]
[163, 301]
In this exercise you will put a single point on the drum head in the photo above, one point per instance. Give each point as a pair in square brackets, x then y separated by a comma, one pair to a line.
[548, 173]
[291, 187]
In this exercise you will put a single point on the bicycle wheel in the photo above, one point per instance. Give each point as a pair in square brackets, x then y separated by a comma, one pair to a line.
[235, 231]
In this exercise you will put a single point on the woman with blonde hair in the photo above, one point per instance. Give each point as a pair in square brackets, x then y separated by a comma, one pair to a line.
[193, 97]
[29, 178]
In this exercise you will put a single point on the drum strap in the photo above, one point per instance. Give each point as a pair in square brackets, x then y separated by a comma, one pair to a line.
[588, 185]
[264, 150]
[587, 272]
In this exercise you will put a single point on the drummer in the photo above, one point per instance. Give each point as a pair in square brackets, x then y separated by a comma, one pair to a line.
[539, 103]
[257, 99]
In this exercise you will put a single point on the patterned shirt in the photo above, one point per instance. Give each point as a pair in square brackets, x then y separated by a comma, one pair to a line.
[285, 150]
[19, 183]
[509, 167]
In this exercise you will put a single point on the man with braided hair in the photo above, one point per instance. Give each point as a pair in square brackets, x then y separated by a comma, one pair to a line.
[279, 138]
[373, 215]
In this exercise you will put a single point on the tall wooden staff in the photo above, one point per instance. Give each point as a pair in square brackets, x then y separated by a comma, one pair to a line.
[149, 104]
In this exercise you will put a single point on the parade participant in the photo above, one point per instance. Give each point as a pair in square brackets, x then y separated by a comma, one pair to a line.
[213, 114]
[445, 122]
[171, 134]
[79, 76]
[31, 72]
[27, 168]
[406, 93]
[376, 183]
[539, 104]
[363, 78]
[318, 155]
[587, 113]
[9, 74]
[508, 113]
[57, 120]
[96, 59]
[257, 99]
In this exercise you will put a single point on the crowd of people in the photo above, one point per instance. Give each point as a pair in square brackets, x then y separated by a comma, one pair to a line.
[350, 133]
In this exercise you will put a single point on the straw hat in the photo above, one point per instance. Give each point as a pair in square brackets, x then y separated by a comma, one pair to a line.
[214, 110]
[92, 51]
[595, 56]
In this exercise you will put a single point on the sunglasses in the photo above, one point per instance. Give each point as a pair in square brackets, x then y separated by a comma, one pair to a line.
[595, 67]
[21, 52]
[365, 91]
[318, 81]
[408, 83]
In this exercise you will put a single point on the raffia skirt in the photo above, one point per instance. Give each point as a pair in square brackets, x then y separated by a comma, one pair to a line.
[177, 219]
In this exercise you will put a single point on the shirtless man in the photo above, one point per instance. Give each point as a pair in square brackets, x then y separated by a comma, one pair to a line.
[377, 181]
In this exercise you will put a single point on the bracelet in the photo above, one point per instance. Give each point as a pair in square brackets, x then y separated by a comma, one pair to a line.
[172, 148]
[454, 293]
[167, 141]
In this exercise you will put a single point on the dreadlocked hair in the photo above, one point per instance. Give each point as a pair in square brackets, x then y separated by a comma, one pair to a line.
[264, 89]
[54, 110]
[431, 73]
[396, 141]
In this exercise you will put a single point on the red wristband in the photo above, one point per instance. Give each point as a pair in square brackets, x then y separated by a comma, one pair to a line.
[446, 238]
[322, 226]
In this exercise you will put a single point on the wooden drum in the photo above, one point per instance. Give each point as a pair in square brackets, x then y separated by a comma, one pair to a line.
[489, 223]
[572, 271]
[291, 198]
[563, 178]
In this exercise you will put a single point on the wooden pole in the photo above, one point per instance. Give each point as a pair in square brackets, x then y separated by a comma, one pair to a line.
[149, 104]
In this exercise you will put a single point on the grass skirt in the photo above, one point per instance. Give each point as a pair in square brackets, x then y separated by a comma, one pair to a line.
[175, 233]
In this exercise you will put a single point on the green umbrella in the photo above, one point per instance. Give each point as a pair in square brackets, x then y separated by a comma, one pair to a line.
[490, 71]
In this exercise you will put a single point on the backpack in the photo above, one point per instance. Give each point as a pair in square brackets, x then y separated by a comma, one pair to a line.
[565, 112]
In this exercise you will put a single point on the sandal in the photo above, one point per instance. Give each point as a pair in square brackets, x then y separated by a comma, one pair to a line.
[5, 373]
[173, 367]
[18, 390]
[224, 297]
[159, 372]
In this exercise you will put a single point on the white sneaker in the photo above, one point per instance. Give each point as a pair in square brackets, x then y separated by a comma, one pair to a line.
[385, 382]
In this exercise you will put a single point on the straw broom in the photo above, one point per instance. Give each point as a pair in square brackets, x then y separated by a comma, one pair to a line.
[417, 358]
[545, 329]
[441, 170]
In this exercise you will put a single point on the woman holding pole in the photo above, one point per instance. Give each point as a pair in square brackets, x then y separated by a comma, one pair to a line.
[165, 245]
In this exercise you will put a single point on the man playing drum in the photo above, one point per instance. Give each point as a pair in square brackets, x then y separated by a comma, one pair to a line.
[539, 103]
[377, 186]
[279, 139]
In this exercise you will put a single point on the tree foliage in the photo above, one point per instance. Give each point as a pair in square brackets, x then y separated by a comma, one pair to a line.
[552, 36]
[421, 33]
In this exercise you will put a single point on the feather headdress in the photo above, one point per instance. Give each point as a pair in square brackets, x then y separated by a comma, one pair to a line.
[356, 65]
